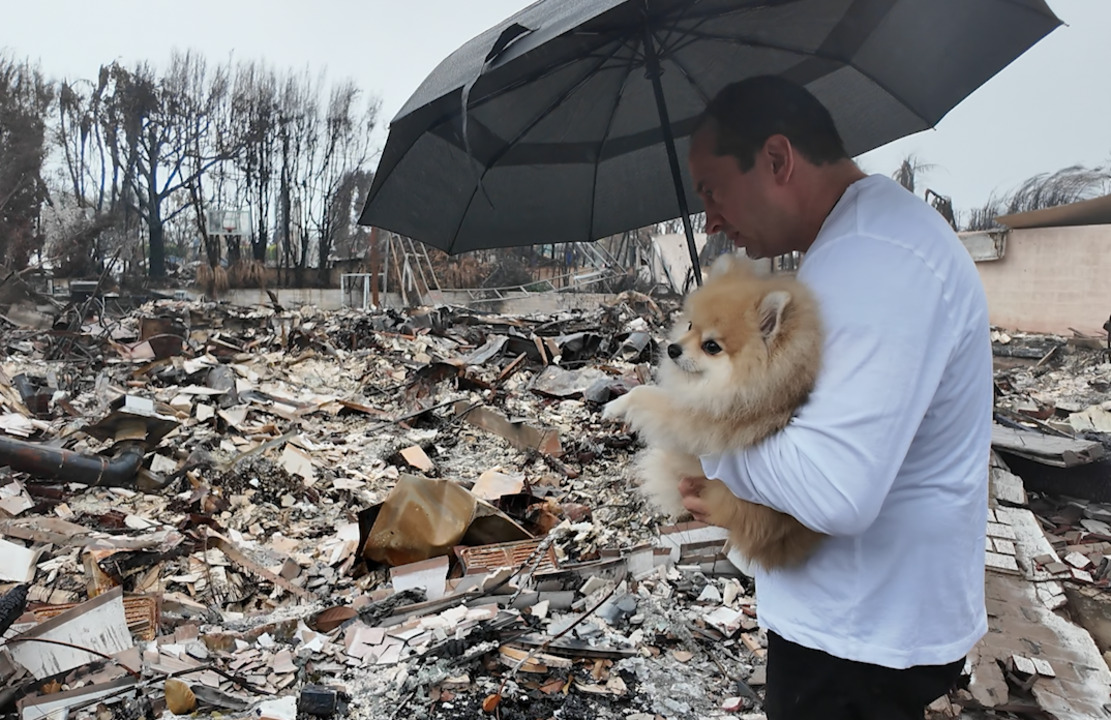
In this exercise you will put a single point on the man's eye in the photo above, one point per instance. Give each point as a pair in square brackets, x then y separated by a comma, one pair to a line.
[710, 347]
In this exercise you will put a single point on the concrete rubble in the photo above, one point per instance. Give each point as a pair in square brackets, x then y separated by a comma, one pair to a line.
[392, 514]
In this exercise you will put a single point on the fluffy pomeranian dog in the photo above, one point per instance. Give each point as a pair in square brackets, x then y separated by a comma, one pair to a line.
[743, 359]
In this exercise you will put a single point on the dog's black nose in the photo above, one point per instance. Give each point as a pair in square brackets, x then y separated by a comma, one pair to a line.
[674, 350]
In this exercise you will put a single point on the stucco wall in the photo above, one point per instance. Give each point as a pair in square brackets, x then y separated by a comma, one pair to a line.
[1051, 279]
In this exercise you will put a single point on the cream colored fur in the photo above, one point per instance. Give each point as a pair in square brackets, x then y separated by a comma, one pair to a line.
[768, 341]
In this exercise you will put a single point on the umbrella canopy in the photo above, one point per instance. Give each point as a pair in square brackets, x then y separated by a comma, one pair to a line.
[572, 106]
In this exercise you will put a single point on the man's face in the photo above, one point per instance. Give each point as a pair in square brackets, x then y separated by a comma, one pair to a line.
[740, 204]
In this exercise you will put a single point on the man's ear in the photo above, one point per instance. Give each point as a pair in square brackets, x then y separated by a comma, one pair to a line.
[771, 313]
[781, 158]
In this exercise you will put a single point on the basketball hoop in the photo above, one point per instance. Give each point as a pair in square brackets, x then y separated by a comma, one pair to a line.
[224, 222]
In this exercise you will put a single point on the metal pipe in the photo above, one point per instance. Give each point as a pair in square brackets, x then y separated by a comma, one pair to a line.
[652, 60]
[48, 462]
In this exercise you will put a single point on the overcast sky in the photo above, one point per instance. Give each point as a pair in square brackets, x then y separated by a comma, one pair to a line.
[1048, 110]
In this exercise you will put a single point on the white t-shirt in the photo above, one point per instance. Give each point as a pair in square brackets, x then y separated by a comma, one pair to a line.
[890, 454]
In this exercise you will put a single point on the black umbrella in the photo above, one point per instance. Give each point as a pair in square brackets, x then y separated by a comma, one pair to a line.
[577, 112]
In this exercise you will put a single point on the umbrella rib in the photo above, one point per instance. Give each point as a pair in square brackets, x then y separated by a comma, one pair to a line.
[667, 52]
[528, 80]
[748, 42]
[548, 70]
[499, 155]
[689, 78]
[605, 138]
[547, 111]
[670, 56]
[701, 17]
[691, 36]
[685, 15]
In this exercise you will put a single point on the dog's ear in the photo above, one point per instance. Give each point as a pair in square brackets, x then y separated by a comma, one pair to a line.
[771, 313]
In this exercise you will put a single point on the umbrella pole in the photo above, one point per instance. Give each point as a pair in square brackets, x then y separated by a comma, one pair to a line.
[653, 63]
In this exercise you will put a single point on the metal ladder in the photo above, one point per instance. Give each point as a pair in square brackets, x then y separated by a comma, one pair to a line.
[414, 269]
[605, 266]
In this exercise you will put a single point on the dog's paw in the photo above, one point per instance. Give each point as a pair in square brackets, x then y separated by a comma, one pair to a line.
[660, 472]
[620, 408]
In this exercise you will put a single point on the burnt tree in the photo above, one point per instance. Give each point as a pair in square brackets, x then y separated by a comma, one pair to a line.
[157, 129]
[25, 100]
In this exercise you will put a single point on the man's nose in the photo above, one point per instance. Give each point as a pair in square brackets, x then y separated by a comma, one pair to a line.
[714, 221]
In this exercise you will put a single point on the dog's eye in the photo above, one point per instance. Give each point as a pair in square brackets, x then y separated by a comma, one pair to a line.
[710, 347]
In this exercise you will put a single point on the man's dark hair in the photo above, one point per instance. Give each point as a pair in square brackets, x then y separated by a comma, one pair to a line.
[746, 113]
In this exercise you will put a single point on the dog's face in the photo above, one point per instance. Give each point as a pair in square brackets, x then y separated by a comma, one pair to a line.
[728, 336]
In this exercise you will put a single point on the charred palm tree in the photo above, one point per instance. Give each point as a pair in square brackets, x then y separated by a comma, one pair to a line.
[910, 170]
[1045, 190]
[1068, 185]
[983, 218]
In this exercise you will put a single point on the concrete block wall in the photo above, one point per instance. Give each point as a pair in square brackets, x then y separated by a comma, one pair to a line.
[1051, 279]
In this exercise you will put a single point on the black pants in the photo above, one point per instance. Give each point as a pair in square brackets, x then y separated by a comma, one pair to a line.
[806, 684]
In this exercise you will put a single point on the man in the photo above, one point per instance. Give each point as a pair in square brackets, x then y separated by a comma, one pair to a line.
[889, 457]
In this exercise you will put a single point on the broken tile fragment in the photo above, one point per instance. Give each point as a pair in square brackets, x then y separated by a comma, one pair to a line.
[1002, 563]
[417, 458]
[1023, 665]
[1043, 667]
[1077, 560]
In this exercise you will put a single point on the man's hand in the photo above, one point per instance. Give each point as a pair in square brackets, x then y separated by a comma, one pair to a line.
[690, 488]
